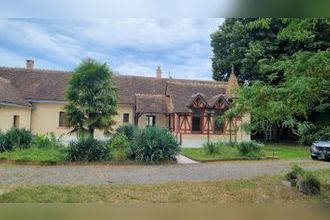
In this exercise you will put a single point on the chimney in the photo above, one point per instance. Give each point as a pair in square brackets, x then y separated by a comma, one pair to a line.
[29, 64]
[159, 72]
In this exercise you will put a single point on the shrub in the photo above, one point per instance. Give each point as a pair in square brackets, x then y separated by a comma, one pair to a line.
[119, 146]
[212, 147]
[5, 143]
[250, 149]
[153, 144]
[294, 174]
[87, 149]
[128, 130]
[309, 184]
[44, 141]
[19, 137]
[306, 182]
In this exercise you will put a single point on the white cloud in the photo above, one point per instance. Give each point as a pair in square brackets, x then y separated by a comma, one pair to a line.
[130, 46]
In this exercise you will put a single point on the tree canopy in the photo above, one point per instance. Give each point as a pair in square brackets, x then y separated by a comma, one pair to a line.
[287, 64]
[92, 98]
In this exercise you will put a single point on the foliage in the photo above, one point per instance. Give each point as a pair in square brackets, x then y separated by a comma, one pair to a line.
[287, 62]
[250, 149]
[154, 144]
[88, 149]
[128, 130]
[92, 98]
[35, 154]
[19, 137]
[119, 146]
[44, 141]
[306, 182]
[215, 147]
[211, 147]
[295, 173]
[5, 143]
[309, 184]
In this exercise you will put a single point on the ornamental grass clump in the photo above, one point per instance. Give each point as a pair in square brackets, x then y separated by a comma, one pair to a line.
[250, 149]
[154, 144]
[88, 149]
[305, 181]
[213, 147]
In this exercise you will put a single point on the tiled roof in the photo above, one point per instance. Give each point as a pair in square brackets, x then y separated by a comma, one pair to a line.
[153, 103]
[183, 92]
[9, 95]
[50, 85]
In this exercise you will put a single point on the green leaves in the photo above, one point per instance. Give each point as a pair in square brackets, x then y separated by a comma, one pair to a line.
[92, 98]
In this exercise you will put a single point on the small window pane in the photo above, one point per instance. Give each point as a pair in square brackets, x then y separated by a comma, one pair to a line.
[16, 121]
[62, 121]
[151, 120]
[125, 117]
[196, 120]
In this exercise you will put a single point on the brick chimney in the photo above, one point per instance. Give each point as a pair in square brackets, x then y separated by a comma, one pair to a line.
[29, 64]
[159, 72]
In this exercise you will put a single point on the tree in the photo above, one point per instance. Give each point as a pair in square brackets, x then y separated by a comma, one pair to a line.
[287, 64]
[92, 98]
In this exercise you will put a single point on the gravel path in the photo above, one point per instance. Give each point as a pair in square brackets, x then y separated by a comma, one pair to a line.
[132, 174]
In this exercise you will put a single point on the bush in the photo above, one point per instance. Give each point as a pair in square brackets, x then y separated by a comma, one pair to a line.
[294, 174]
[128, 130]
[44, 141]
[308, 184]
[19, 137]
[119, 147]
[250, 149]
[5, 143]
[88, 149]
[212, 147]
[153, 144]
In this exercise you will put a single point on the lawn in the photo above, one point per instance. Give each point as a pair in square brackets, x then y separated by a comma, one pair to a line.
[282, 151]
[264, 189]
[34, 154]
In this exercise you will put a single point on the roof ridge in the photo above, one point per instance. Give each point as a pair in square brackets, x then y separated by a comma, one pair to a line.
[34, 69]
[148, 94]
[202, 83]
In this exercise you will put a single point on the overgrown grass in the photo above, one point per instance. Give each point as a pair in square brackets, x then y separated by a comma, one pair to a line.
[34, 154]
[282, 151]
[253, 190]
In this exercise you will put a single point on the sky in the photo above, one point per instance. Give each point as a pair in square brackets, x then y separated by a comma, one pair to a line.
[130, 46]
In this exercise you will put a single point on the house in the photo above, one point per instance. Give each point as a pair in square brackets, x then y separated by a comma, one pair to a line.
[34, 99]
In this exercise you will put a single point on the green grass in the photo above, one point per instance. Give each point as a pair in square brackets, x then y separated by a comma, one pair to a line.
[282, 151]
[264, 189]
[33, 154]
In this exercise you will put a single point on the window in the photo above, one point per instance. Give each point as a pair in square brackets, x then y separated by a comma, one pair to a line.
[218, 124]
[151, 120]
[196, 120]
[16, 121]
[125, 118]
[62, 121]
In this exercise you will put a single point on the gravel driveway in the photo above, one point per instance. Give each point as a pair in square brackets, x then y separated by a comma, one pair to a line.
[132, 174]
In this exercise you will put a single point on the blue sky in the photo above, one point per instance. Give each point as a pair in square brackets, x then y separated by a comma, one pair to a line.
[132, 46]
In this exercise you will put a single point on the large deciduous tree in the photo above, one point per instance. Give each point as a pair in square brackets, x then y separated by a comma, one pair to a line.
[92, 98]
[287, 62]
